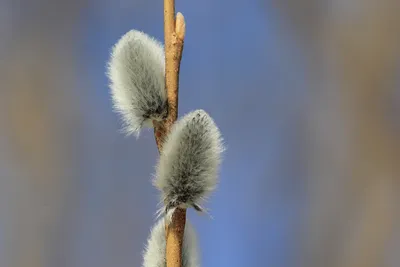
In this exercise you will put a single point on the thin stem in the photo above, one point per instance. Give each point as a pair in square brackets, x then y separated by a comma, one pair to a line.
[174, 34]
[175, 231]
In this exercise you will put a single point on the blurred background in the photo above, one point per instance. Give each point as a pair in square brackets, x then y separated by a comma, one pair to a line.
[306, 94]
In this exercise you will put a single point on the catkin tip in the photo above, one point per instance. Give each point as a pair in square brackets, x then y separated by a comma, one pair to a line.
[155, 251]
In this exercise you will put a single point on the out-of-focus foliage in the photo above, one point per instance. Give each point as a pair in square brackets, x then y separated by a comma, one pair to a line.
[305, 93]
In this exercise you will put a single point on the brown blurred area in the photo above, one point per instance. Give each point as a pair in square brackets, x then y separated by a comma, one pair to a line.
[37, 106]
[352, 151]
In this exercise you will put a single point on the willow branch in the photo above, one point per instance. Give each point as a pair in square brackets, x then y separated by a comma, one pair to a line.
[174, 34]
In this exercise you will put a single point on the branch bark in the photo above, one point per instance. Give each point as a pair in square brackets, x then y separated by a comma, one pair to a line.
[174, 34]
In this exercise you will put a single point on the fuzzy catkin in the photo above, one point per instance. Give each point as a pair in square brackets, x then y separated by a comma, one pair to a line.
[188, 167]
[155, 251]
[136, 71]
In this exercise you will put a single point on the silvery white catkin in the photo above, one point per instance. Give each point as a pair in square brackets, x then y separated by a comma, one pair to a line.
[154, 254]
[136, 71]
[188, 167]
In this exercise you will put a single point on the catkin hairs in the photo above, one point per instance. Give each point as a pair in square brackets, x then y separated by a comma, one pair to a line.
[188, 167]
[154, 254]
[136, 71]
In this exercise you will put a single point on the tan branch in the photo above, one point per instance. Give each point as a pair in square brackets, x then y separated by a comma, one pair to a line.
[174, 34]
